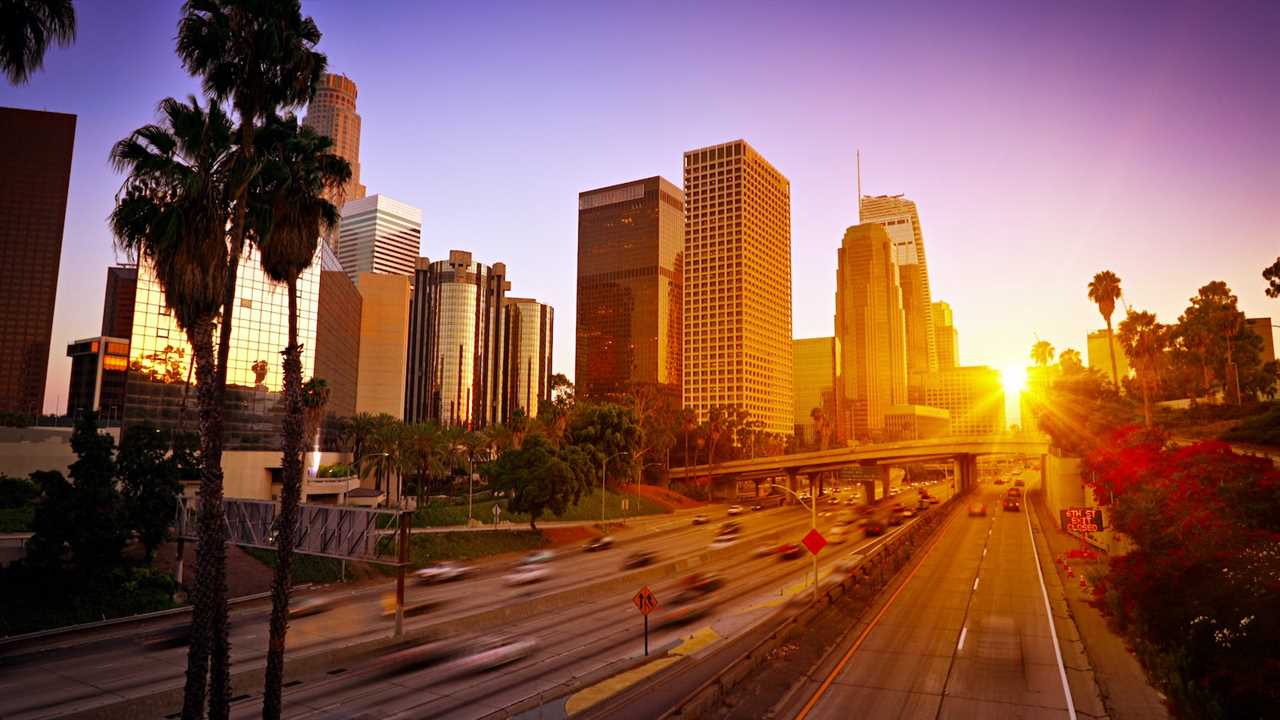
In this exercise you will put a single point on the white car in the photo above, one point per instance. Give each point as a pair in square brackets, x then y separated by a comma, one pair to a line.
[538, 557]
[528, 574]
[496, 653]
[723, 541]
[442, 572]
[735, 509]
[836, 536]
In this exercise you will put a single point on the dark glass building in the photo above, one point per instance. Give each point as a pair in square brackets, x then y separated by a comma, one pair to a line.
[117, 301]
[630, 287]
[98, 371]
[35, 170]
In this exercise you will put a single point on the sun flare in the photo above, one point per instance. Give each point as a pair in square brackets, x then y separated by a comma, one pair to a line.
[1014, 379]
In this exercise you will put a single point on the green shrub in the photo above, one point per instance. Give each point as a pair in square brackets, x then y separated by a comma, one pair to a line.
[16, 492]
[1261, 429]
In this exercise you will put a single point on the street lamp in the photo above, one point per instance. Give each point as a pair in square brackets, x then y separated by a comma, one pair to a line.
[813, 525]
[640, 478]
[603, 465]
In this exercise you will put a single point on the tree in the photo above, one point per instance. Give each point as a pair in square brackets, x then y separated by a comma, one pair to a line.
[27, 27]
[171, 214]
[1042, 353]
[1216, 325]
[608, 432]
[1104, 290]
[315, 398]
[1144, 341]
[288, 214]
[1070, 362]
[149, 484]
[1272, 276]
[542, 478]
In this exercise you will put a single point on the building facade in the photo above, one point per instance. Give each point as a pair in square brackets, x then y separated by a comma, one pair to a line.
[1262, 327]
[339, 310]
[35, 171]
[332, 112]
[901, 220]
[946, 337]
[737, 291]
[630, 288]
[1100, 359]
[814, 372]
[384, 343]
[528, 326]
[160, 360]
[870, 328]
[456, 342]
[916, 422]
[378, 234]
[117, 301]
[974, 397]
[98, 369]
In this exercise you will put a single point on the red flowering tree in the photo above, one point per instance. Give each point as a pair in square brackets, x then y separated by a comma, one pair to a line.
[1201, 590]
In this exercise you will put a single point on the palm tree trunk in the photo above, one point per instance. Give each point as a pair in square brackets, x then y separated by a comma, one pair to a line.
[1146, 403]
[208, 635]
[1111, 350]
[291, 497]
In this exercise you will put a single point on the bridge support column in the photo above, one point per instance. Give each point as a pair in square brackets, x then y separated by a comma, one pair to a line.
[966, 473]
[793, 484]
[886, 480]
[869, 489]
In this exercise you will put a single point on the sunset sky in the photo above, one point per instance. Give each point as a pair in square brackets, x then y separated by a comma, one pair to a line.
[1041, 145]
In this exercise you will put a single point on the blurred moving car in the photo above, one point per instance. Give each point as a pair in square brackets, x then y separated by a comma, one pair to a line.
[871, 527]
[836, 536]
[681, 613]
[922, 506]
[907, 513]
[1012, 503]
[169, 637]
[895, 518]
[789, 551]
[999, 481]
[1014, 492]
[312, 605]
[735, 510]
[701, 519]
[1019, 483]
[410, 608]
[495, 653]
[442, 572]
[527, 575]
[597, 544]
[977, 509]
[730, 527]
[640, 558]
[538, 557]
[757, 508]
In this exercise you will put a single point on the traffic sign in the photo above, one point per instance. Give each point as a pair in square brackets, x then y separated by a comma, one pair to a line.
[645, 601]
[1082, 519]
[814, 541]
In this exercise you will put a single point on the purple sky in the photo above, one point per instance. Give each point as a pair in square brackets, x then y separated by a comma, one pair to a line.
[1041, 145]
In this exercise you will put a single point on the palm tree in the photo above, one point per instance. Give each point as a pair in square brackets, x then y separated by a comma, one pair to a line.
[1070, 361]
[171, 214]
[259, 55]
[1042, 353]
[26, 29]
[1144, 341]
[1104, 290]
[315, 398]
[289, 212]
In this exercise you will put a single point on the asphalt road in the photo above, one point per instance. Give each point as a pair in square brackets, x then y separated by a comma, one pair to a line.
[968, 635]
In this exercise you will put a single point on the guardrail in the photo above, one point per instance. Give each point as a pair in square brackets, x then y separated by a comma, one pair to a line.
[867, 578]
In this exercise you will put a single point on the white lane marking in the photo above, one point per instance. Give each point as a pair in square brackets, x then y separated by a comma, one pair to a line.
[963, 632]
[1053, 630]
[984, 552]
[975, 584]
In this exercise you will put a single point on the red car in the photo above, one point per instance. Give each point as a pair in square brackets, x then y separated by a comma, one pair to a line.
[1011, 503]
[790, 551]
[977, 510]
[872, 527]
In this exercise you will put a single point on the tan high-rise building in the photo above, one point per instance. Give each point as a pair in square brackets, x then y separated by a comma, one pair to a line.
[814, 369]
[900, 218]
[630, 288]
[384, 343]
[528, 327]
[737, 292]
[379, 234]
[1100, 359]
[332, 112]
[945, 336]
[972, 395]
[870, 329]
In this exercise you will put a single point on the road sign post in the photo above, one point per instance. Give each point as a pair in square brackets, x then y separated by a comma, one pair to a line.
[645, 601]
[814, 542]
[497, 512]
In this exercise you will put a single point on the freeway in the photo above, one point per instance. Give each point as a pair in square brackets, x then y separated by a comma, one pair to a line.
[968, 634]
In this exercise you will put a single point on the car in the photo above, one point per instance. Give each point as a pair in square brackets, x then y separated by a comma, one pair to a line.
[598, 544]
[1019, 483]
[922, 506]
[527, 575]
[442, 572]
[895, 518]
[680, 613]
[789, 551]
[169, 637]
[999, 481]
[695, 586]
[1014, 492]
[757, 508]
[851, 501]
[933, 499]
[1012, 503]
[872, 527]
[495, 653]
[701, 519]
[977, 509]
[836, 536]
[730, 527]
[735, 510]
[723, 541]
[538, 557]
[908, 513]
[639, 558]
[312, 605]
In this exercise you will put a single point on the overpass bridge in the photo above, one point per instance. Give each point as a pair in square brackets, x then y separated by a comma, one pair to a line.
[962, 450]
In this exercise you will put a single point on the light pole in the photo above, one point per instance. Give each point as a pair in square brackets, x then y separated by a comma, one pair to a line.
[603, 469]
[813, 525]
[640, 478]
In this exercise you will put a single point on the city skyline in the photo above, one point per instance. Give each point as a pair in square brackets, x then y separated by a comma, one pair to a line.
[1125, 202]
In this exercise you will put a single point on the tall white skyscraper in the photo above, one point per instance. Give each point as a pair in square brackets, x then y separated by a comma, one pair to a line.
[379, 235]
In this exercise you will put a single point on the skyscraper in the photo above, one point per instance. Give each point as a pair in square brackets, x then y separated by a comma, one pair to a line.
[35, 170]
[814, 370]
[870, 328]
[1099, 358]
[98, 369]
[379, 235]
[737, 292]
[456, 342]
[384, 342]
[528, 325]
[117, 301]
[945, 336]
[900, 218]
[332, 112]
[974, 397]
[339, 308]
[630, 287]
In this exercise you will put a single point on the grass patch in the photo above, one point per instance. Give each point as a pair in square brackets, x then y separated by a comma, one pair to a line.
[588, 508]
[427, 548]
[35, 599]
[17, 519]
[306, 568]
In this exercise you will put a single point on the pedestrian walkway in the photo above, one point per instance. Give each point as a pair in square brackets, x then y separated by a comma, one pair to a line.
[1121, 680]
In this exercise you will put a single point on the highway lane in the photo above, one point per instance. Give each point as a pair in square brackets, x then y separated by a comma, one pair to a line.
[44, 684]
[967, 635]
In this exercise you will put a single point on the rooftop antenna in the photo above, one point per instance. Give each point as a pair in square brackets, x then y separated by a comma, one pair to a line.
[858, 156]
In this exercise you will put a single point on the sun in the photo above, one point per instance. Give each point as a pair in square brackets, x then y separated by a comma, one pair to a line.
[1014, 379]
